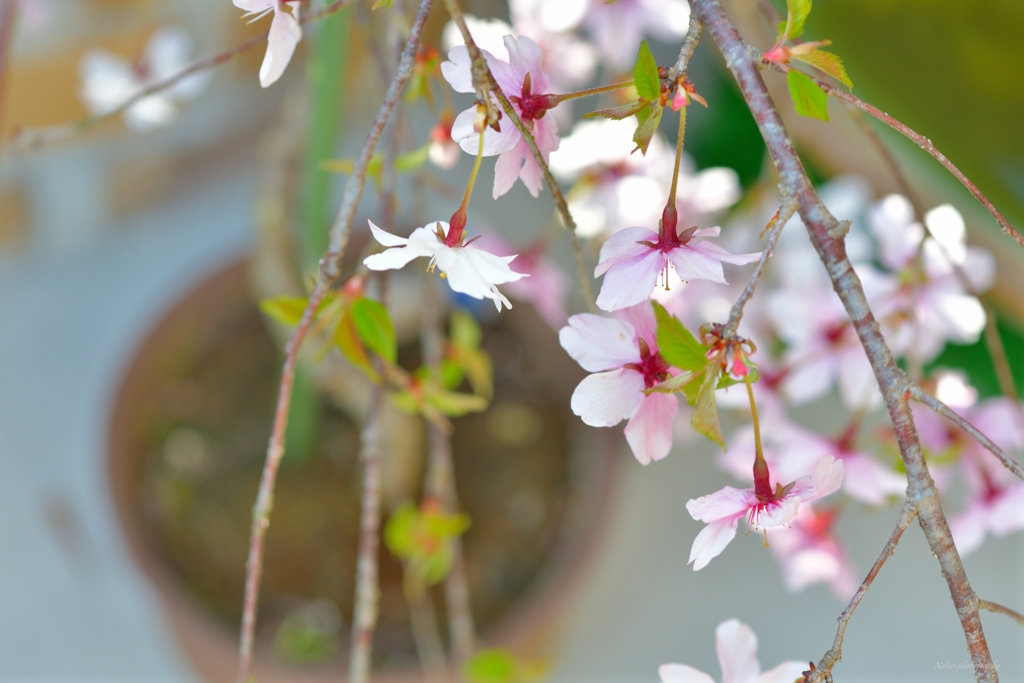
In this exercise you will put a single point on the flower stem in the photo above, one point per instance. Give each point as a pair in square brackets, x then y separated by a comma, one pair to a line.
[762, 479]
[670, 217]
[591, 91]
[759, 453]
[457, 224]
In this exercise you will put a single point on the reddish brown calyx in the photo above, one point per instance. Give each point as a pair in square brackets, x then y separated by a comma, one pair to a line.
[652, 366]
[532, 106]
[456, 229]
[732, 352]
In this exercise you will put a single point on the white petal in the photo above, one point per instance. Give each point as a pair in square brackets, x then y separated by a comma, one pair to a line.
[630, 281]
[711, 541]
[787, 672]
[495, 142]
[386, 238]
[285, 34]
[598, 343]
[680, 673]
[392, 259]
[724, 503]
[607, 398]
[736, 646]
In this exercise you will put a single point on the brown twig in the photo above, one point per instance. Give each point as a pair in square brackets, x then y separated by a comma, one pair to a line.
[481, 71]
[330, 270]
[364, 613]
[690, 41]
[439, 483]
[922, 396]
[827, 235]
[887, 156]
[1000, 361]
[832, 657]
[7, 16]
[920, 140]
[774, 229]
[33, 139]
[999, 609]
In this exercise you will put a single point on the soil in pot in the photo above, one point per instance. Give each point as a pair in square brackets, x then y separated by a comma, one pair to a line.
[200, 439]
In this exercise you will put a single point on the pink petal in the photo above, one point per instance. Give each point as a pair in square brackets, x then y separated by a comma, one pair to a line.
[727, 502]
[711, 541]
[680, 673]
[716, 251]
[828, 477]
[285, 34]
[525, 57]
[598, 343]
[545, 133]
[630, 281]
[495, 142]
[641, 318]
[692, 263]
[649, 431]
[508, 166]
[607, 398]
[623, 245]
[869, 481]
[736, 646]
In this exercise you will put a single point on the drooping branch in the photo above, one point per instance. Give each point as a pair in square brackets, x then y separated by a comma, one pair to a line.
[922, 396]
[827, 235]
[832, 657]
[999, 609]
[774, 229]
[29, 139]
[918, 139]
[330, 270]
[481, 70]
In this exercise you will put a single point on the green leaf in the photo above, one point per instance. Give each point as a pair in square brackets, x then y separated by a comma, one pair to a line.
[677, 344]
[406, 402]
[692, 390]
[725, 381]
[647, 128]
[645, 74]
[457, 404]
[829, 63]
[285, 309]
[410, 161]
[808, 98]
[671, 385]
[346, 338]
[618, 113]
[705, 411]
[375, 328]
[798, 11]
[464, 330]
[381, 3]
[400, 531]
[478, 368]
[492, 665]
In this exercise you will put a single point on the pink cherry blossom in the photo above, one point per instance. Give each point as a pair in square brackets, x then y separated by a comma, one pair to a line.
[762, 507]
[623, 354]
[736, 647]
[285, 34]
[468, 270]
[809, 553]
[522, 79]
[633, 259]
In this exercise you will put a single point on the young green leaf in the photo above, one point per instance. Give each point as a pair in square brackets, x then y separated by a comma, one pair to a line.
[671, 385]
[618, 113]
[829, 63]
[798, 11]
[648, 127]
[705, 411]
[808, 98]
[346, 338]
[412, 160]
[375, 328]
[677, 344]
[457, 404]
[285, 309]
[492, 665]
[645, 74]
[381, 3]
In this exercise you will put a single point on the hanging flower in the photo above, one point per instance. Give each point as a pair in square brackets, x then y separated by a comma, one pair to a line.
[285, 34]
[623, 354]
[525, 83]
[762, 506]
[470, 271]
[736, 646]
[633, 259]
[808, 552]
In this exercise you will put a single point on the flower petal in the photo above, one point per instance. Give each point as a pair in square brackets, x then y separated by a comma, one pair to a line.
[458, 70]
[391, 259]
[692, 263]
[607, 398]
[285, 34]
[508, 168]
[630, 281]
[726, 502]
[495, 142]
[598, 343]
[624, 244]
[649, 431]
[386, 238]
[736, 646]
[787, 672]
[711, 541]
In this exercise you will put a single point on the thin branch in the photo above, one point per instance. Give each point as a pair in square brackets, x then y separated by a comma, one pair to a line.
[832, 657]
[423, 620]
[481, 70]
[690, 41]
[827, 235]
[922, 396]
[364, 615]
[34, 139]
[999, 609]
[439, 483]
[774, 229]
[887, 156]
[330, 270]
[7, 17]
[920, 140]
[1000, 361]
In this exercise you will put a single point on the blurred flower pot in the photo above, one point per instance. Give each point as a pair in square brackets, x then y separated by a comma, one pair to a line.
[187, 442]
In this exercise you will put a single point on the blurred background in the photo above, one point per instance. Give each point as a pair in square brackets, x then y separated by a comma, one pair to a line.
[138, 377]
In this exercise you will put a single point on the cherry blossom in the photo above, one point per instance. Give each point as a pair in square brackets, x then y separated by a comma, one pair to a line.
[809, 553]
[736, 647]
[285, 34]
[633, 259]
[468, 270]
[526, 84]
[109, 80]
[762, 506]
[623, 353]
